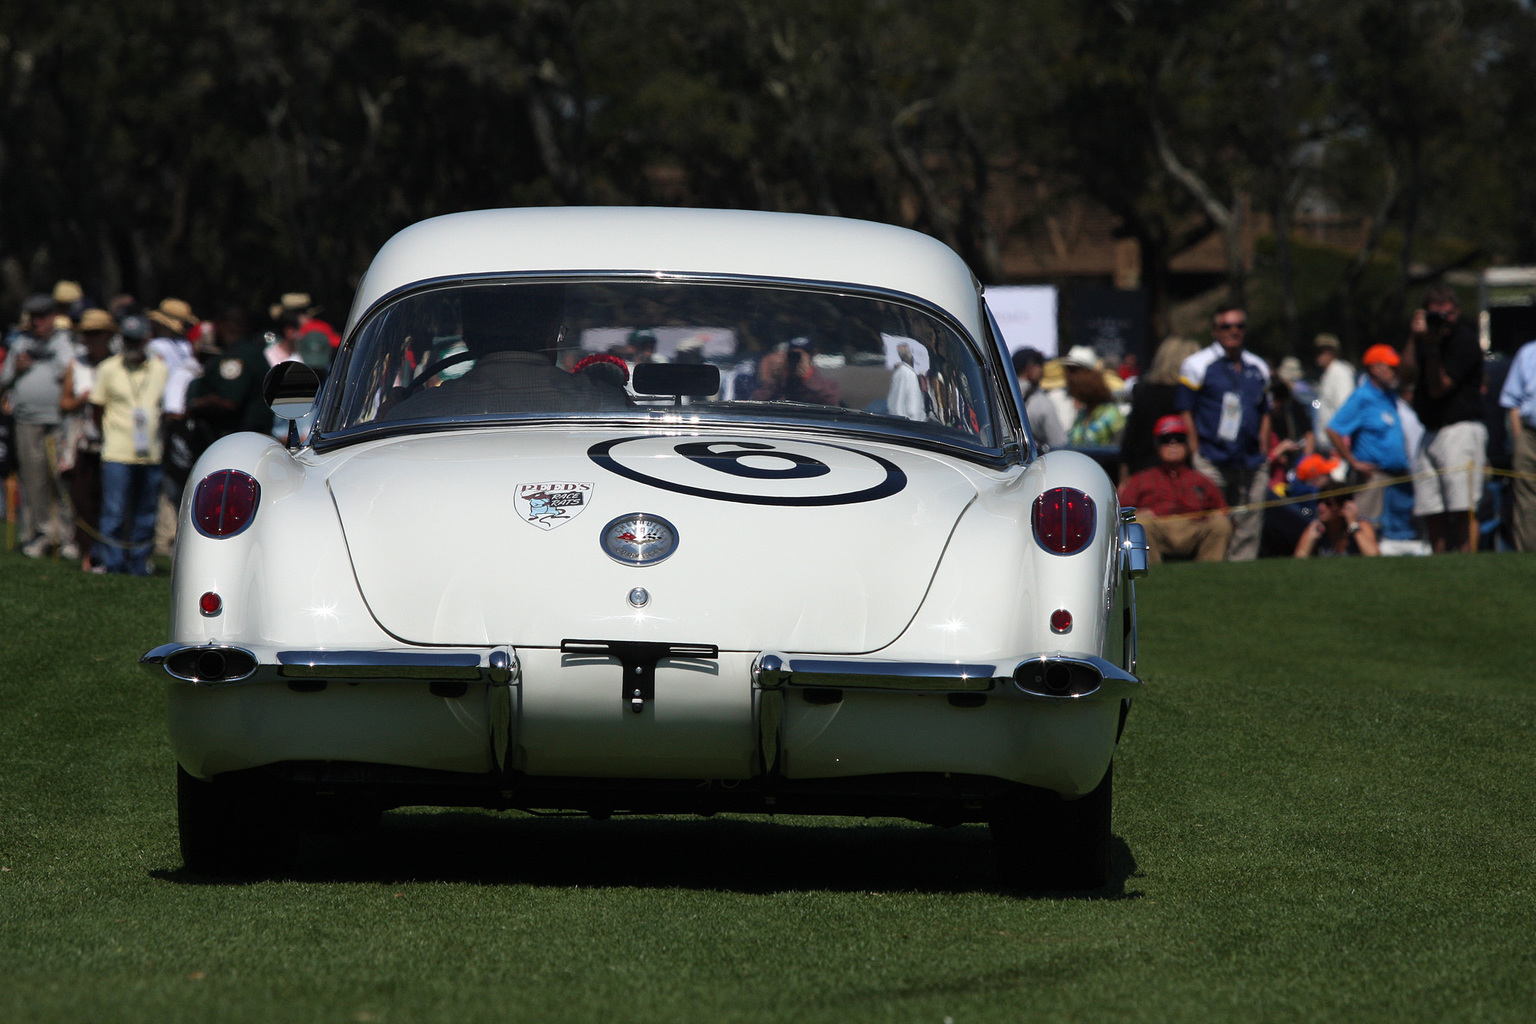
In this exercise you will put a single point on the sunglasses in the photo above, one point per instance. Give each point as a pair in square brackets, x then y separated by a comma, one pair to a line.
[1173, 439]
[1236, 325]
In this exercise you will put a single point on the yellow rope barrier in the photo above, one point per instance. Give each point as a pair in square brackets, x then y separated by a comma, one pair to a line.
[1355, 488]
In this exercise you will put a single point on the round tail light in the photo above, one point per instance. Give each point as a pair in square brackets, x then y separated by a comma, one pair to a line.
[225, 503]
[1065, 520]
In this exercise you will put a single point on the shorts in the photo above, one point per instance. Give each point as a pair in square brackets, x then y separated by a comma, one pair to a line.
[1443, 482]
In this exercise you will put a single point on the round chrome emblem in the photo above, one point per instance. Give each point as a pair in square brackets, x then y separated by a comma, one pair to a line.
[639, 538]
[639, 597]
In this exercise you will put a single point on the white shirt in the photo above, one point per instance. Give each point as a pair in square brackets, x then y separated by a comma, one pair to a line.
[905, 399]
[1337, 384]
[182, 368]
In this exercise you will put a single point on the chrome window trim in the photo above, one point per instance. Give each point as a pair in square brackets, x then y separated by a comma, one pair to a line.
[1022, 428]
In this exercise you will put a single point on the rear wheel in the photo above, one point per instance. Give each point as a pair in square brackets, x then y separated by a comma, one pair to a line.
[1044, 841]
[225, 828]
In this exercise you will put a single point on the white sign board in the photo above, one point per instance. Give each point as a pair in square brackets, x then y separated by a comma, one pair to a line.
[1027, 316]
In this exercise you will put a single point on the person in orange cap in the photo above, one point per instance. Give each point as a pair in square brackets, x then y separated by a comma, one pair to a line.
[1367, 431]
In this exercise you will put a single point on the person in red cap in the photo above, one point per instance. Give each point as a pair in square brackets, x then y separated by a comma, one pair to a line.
[1368, 433]
[1183, 512]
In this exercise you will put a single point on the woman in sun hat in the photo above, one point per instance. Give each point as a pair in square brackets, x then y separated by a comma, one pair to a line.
[1098, 419]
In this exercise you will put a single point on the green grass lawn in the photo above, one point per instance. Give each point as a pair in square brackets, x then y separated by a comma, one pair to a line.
[1325, 811]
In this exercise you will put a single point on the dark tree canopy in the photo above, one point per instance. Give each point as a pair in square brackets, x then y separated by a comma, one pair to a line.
[230, 152]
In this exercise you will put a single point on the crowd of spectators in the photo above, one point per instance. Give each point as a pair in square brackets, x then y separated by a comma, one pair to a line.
[1388, 459]
[104, 408]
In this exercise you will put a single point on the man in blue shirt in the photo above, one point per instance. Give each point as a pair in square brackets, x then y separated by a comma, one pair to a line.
[1224, 404]
[1367, 432]
[1519, 397]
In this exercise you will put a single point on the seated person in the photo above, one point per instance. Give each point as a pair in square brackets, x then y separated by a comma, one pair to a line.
[1183, 512]
[512, 333]
[1337, 530]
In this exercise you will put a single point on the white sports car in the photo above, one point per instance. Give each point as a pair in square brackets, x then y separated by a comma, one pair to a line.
[655, 511]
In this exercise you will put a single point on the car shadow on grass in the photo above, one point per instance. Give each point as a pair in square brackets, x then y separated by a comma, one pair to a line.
[730, 854]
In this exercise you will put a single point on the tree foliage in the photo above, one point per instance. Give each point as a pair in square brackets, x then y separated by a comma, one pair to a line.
[228, 152]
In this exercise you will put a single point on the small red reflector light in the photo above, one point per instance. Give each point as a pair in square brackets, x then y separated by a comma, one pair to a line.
[1061, 621]
[224, 503]
[1065, 520]
[210, 603]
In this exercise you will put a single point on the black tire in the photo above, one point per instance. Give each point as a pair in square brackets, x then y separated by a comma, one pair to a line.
[225, 829]
[1046, 842]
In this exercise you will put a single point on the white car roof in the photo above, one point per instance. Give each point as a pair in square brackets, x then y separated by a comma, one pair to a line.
[683, 241]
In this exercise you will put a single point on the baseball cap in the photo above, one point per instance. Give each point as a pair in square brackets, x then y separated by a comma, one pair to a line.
[134, 328]
[1386, 355]
[1169, 425]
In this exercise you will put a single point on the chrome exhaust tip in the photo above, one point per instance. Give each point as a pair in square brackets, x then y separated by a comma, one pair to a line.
[1057, 677]
[210, 664]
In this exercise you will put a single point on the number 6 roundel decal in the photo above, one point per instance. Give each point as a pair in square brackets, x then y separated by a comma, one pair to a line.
[756, 472]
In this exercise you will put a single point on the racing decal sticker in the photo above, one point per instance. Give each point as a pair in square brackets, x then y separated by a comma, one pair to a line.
[754, 471]
[548, 505]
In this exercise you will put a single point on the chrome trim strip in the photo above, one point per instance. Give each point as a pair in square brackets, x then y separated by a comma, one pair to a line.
[497, 666]
[156, 657]
[1031, 446]
[772, 670]
[378, 664]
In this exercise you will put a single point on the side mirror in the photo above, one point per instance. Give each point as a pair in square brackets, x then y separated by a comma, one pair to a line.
[290, 389]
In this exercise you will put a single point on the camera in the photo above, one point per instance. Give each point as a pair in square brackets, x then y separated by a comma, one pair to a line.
[1434, 322]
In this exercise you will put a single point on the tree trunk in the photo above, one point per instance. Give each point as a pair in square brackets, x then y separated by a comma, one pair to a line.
[1228, 217]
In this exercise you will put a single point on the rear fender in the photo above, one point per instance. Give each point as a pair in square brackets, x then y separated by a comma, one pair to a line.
[996, 587]
[285, 576]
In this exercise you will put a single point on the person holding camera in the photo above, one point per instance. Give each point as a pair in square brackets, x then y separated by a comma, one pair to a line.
[1338, 530]
[789, 374]
[1447, 370]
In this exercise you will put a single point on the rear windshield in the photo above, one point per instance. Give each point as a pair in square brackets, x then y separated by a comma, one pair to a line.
[500, 351]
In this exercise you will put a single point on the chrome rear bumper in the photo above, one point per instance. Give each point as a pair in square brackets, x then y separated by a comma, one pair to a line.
[1050, 676]
[1057, 676]
[211, 664]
